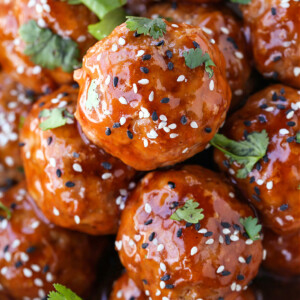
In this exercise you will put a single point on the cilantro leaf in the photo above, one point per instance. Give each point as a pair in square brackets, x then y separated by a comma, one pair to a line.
[241, 1]
[72, 2]
[6, 210]
[48, 49]
[189, 212]
[252, 227]
[154, 27]
[110, 21]
[195, 58]
[247, 152]
[298, 137]
[102, 7]
[93, 97]
[62, 293]
[56, 117]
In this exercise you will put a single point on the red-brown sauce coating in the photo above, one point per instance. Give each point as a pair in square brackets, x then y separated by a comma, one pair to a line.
[222, 27]
[177, 260]
[69, 21]
[35, 254]
[273, 185]
[76, 184]
[275, 38]
[150, 109]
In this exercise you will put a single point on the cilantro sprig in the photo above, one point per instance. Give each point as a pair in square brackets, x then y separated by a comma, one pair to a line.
[6, 210]
[195, 58]
[246, 153]
[189, 212]
[48, 49]
[92, 97]
[56, 117]
[62, 293]
[252, 227]
[155, 28]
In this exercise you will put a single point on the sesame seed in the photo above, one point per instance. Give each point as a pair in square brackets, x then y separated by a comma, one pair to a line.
[148, 208]
[27, 272]
[224, 30]
[154, 116]
[122, 100]
[173, 135]
[249, 242]
[115, 81]
[130, 134]
[55, 211]
[239, 54]
[296, 71]
[211, 85]
[283, 131]
[114, 47]
[143, 81]
[160, 247]
[209, 242]
[160, 43]
[181, 78]
[162, 284]
[146, 57]
[121, 41]
[77, 167]
[194, 124]
[106, 176]
[165, 100]
[194, 250]
[151, 96]
[170, 66]
[69, 184]
[220, 269]
[169, 54]
[269, 185]
[284, 207]
[163, 267]
[107, 131]
[144, 70]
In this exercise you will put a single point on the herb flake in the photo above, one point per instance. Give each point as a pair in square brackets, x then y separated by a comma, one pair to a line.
[56, 117]
[6, 210]
[252, 227]
[62, 293]
[92, 97]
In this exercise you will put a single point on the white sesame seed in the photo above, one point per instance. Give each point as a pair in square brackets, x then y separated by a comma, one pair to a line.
[160, 247]
[242, 260]
[122, 100]
[163, 267]
[173, 135]
[148, 208]
[35, 268]
[162, 284]
[207, 30]
[221, 239]
[264, 254]
[20, 69]
[209, 241]
[211, 85]
[119, 294]
[135, 90]
[7, 256]
[231, 195]
[137, 237]
[146, 143]
[180, 78]
[35, 224]
[15, 244]
[238, 288]
[77, 167]
[38, 282]
[296, 71]
[27, 272]
[114, 47]
[226, 231]
[4, 271]
[49, 277]
[118, 245]
[269, 109]
[269, 185]
[77, 219]
[24, 257]
[212, 41]
[194, 250]
[290, 114]
[152, 134]
[140, 53]
[185, 150]
[55, 211]
[151, 96]
[121, 41]
[283, 131]
[259, 181]
[143, 81]
[238, 92]
[249, 242]
[106, 176]
[220, 269]
[52, 162]
[175, 25]
[239, 54]
[194, 124]
[203, 230]
[163, 118]
[233, 286]
[224, 30]
[107, 80]
[234, 238]
[158, 293]
[147, 293]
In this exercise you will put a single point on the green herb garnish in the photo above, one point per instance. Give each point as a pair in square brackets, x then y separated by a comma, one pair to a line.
[156, 28]
[247, 152]
[195, 58]
[189, 212]
[62, 293]
[6, 210]
[93, 97]
[252, 227]
[72, 2]
[298, 137]
[241, 1]
[56, 117]
[48, 49]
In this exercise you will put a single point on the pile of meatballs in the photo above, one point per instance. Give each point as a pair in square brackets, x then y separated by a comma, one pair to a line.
[117, 156]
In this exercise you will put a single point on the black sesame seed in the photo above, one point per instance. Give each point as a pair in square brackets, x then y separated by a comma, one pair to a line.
[169, 286]
[69, 184]
[187, 224]
[151, 236]
[171, 185]
[257, 190]
[179, 232]
[145, 281]
[197, 226]
[144, 70]
[208, 234]
[130, 134]
[262, 119]
[236, 227]
[174, 5]
[5, 249]
[145, 245]
[116, 125]
[107, 131]
[106, 165]
[256, 198]
[58, 173]
[146, 57]
[273, 11]
[169, 54]
[207, 129]
[274, 96]
[275, 75]
[226, 163]
[291, 123]
[263, 106]
[13, 206]
[227, 239]
[183, 120]
[277, 58]
[165, 277]
[148, 222]
[165, 100]
[154, 116]
[258, 166]
[284, 207]
[240, 277]
[265, 158]
[75, 154]
[65, 94]
[280, 106]
[220, 298]
[248, 259]
[232, 41]
[75, 85]
[46, 268]
[225, 224]
[290, 139]
[160, 43]
[225, 273]
[18, 264]
[116, 80]
[49, 140]
[136, 34]
[174, 205]
[30, 249]
[247, 123]
[282, 98]
[196, 45]
[282, 91]
[21, 144]
[41, 104]
[170, 66]
[252, 179]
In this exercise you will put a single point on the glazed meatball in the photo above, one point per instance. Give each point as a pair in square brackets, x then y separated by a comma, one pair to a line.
[220, 24]
[283, 255]
[76, 184]
[275, 38]
[183, 258]
[273, 184]
[15, 102]
[141, 102]
[125, 289]
[35, 253]
[68, 21]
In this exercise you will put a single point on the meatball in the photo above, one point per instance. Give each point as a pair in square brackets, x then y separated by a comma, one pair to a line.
[68, 21]
[37, 254]
[283, 255]
[177, 256]
[76, 184]
[125, 289]
[15, 102]
[275, 38]
[273, 184]
[220, 24]
[141, 102]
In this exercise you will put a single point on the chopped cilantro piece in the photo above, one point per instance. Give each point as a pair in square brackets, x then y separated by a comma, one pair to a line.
[56, 117]
[6, 210]
[62, 293]
[252, 227]
[93, 97]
